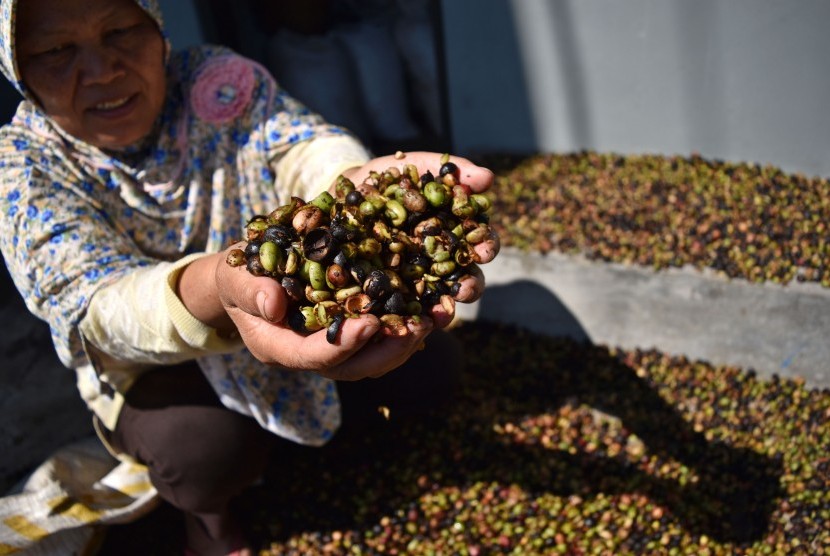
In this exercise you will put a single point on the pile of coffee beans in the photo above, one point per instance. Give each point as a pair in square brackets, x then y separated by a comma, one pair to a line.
[555, 446]
[740, 220]
[395, 245]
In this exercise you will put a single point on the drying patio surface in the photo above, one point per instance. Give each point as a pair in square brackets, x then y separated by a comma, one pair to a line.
[554, 446]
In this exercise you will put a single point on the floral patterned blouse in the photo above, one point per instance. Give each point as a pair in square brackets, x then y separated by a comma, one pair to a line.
[75, 219]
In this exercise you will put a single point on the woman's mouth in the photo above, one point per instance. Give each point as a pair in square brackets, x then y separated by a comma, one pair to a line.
[115, 107]
[111, 104]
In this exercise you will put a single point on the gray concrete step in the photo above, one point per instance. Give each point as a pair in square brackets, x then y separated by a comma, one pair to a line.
[770, 328]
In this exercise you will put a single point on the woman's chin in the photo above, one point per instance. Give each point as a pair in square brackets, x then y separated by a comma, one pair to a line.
[118, 141]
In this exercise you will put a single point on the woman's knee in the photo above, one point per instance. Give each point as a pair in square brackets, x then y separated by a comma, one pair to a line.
[200, 457]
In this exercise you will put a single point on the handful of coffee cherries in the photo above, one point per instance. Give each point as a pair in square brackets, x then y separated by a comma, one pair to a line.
[395, 245]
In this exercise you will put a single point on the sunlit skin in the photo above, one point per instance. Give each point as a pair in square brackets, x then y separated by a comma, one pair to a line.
[96, 67]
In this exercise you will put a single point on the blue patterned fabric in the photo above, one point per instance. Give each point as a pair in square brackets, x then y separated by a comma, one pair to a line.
[74, 218]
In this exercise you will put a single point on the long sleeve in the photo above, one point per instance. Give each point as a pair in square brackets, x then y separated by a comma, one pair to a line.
[140, 318]
[139, 321]
[311, 167]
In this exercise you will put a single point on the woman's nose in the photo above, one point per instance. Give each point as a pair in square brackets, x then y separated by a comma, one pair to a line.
[99, 65]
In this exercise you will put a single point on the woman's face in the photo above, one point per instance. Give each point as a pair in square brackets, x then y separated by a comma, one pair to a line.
[95, 66]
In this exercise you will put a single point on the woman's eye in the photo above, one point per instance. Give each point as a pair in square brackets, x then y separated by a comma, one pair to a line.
[54, 50]
[122, 31]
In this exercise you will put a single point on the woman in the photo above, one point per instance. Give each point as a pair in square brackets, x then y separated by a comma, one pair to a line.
[128, 170]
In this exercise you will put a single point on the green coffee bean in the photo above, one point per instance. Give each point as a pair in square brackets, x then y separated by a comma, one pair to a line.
[271, 256]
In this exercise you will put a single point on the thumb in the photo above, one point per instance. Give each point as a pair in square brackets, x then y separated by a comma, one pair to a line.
[270, 300]
[478, 178]
[260, 296]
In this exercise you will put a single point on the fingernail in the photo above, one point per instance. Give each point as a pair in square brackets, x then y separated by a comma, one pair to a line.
[261, 297]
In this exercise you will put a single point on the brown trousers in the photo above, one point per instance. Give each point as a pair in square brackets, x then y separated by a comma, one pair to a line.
[200, 454]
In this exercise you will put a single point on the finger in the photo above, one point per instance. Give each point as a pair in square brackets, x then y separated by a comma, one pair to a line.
[478, 178]
[443, 313]
[489, 248]
[362, 350]
[261, 296]
[258, 295]
[471, 286]
[384, 353]
[278, 344]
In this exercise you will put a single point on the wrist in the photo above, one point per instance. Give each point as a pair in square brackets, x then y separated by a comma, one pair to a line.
[197, 290]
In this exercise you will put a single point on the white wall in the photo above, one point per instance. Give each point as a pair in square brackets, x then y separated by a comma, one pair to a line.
[744, 80]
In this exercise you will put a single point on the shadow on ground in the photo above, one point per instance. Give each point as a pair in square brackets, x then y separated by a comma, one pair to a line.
[377, 469]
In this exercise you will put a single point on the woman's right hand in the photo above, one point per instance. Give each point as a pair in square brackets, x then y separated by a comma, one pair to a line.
[257, 306]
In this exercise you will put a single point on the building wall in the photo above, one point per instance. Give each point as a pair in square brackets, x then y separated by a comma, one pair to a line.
[745, 80]
[182, 22]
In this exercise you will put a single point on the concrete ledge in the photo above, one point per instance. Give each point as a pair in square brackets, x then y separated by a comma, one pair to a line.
[766, 327]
